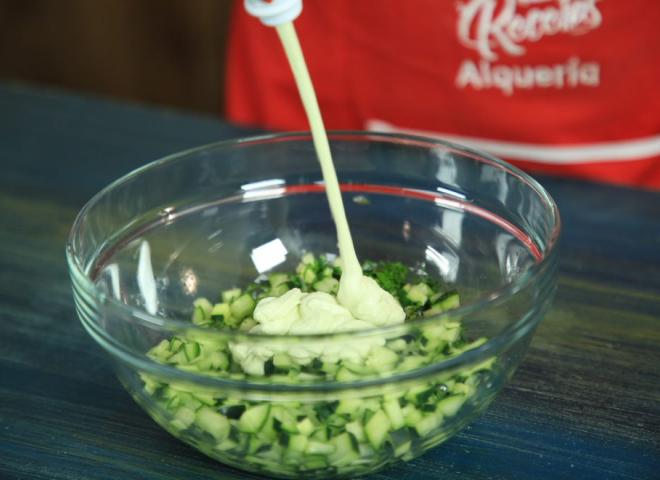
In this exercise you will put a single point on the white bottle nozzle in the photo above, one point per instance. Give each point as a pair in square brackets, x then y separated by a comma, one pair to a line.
[275, 12]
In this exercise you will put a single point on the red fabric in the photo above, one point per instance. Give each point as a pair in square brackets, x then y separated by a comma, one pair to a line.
[460, 68]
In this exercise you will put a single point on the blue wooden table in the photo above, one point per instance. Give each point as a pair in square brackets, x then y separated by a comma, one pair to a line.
[585, 403]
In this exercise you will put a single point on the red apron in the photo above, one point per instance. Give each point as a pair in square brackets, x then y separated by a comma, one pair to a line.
[564, 87]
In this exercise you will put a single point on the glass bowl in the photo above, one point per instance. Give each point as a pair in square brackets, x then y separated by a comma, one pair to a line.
[218, 217]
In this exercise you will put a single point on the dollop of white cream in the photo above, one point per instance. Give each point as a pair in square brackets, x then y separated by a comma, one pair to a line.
[367, 301]
[299, 313]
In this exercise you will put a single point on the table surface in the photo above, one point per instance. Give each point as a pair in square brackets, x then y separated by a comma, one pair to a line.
[585, 403]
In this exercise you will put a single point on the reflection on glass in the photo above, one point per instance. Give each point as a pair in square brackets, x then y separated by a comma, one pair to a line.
[268, 255]
[452, 226]
[446, 262]
[498, 179]
[273, 182]
[189, 282]
[145, 279]
[113, 271]
[447, 171]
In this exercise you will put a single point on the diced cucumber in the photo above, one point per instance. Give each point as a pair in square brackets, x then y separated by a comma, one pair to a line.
[450, 405]
[401, 441]
[301, 437]
[242, 306]
[220, 312]
[344, 451]
[298, 443]
[420, 393]
[178, 358]
[345, 375]
[205, 398]
[230, 295]
[282, 360]
[480, 367]
[428, 423]
[161, 352]
[150, 383]
[308, 258]
[254, 418]
[319, 448]
[358, 368]
[320, 434]
[213, 361]
[330, 368]
[418, 293]
[394, 414]
[191, 350]
[412, 362]
[202, 310]
[183, 418]
[398, 345]
[308, 276]
[305, 426]
[327, 285]
[314, 462]
[376, 429]
[212, 422]
[226, 445]
[276, 279]
[448, 301]
[279, 290]
[357, 430]
[349, 406]
[411, 415]
[284, 418]
[382, 359]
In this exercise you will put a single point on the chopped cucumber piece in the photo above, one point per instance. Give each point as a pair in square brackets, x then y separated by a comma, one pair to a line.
[212, 422]
[284, 419]
[382, 359]
[376, 429]
[161, 351]
[428, 423]
[220, 312]
[418, 293]
[279, 290]
[401, 441]
[448, 301]
[327, 285]
[275, 279]
[213, 361]
[183, 418]
[345, 375]
[230, 295]
[201, 311]
[349, 406]
[305, 426]
[242, 306]
[191, 350]
[308, 258]
[412, 416]
[449, 406]
[357, 430]
[254, 418]
[298, 443]
[319, 448]
[394, 413]
[344, 452]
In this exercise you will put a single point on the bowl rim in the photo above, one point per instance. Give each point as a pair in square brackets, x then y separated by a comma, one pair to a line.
[491, 298]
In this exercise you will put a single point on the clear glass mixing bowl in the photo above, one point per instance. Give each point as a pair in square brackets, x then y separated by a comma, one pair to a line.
[219, 216]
